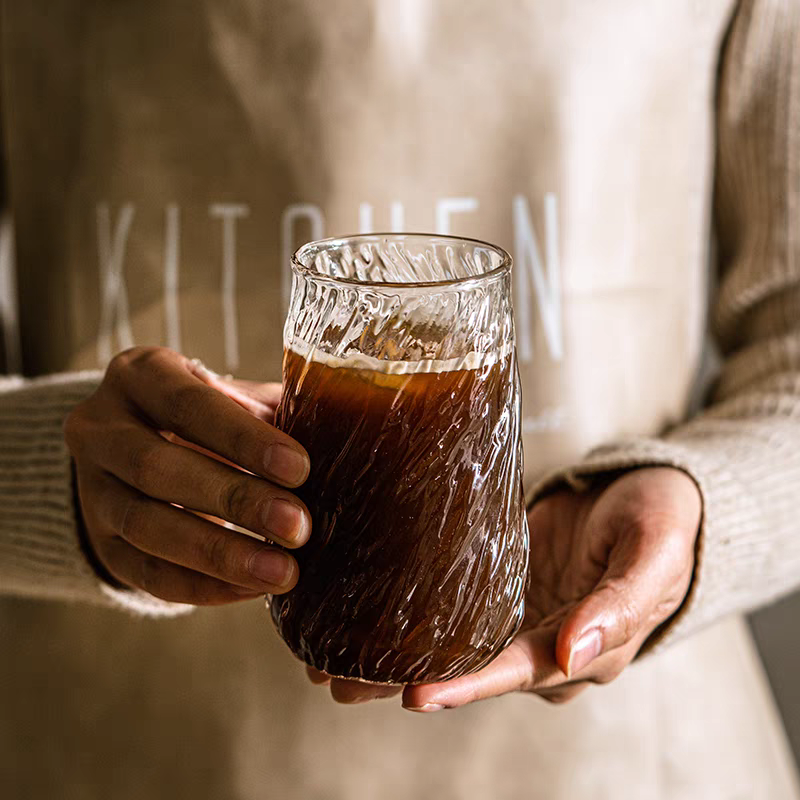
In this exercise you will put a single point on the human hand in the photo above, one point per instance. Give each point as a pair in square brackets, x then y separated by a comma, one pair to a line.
[608, 567]
[162, 435]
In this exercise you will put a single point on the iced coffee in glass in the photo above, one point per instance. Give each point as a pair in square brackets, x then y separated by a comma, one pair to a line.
[400, 380]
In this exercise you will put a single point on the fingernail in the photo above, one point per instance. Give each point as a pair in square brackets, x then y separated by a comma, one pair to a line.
[426, 709]
[586, 650]
[272, 567]
[286, 521]
[285, 464]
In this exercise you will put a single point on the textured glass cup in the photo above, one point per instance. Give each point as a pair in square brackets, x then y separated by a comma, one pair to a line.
[400, 379]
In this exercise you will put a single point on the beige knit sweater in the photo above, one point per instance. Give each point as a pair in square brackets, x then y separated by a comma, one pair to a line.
[743, 450]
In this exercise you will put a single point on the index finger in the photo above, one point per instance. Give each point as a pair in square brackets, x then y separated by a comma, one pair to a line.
[162, 386]
[527, 663]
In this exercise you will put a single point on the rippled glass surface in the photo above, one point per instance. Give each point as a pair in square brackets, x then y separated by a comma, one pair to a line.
[400, 379]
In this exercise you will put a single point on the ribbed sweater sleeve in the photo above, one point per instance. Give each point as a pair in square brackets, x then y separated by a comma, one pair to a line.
[40, 552]
[743, 450]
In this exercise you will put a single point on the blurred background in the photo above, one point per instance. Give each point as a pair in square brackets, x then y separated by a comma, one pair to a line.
[777, 634]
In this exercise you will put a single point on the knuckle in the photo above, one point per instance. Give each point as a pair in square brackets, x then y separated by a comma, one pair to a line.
[118, 364]
[241, 444]
[181, 406]
[133, 520]
[626, 616]
[667, 607]
[234, 500]
[150, 575]
[135, 357]
[628, 619]
[127, 365]
[145, 358]
[144, 461]
[122, 361]
[215, 553]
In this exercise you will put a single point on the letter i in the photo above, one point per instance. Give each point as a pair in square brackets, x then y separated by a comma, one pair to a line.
[172, 243]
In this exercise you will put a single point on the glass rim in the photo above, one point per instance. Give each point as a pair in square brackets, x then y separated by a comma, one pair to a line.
[306, 271]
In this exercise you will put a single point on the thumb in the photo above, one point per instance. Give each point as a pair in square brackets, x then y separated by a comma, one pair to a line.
[527, 664]
[512, 670]
[648, 575]
[611, 616]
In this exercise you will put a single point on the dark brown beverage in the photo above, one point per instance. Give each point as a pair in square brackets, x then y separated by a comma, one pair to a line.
[417, 563]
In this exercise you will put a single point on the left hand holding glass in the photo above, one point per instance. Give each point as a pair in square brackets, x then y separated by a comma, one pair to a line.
[609, 566]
